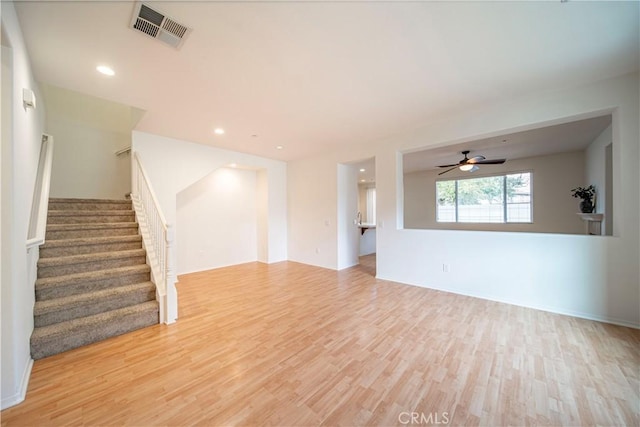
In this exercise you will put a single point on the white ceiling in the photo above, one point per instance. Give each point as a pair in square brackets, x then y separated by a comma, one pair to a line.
[368, 175]
[573, 136]
[315, 75]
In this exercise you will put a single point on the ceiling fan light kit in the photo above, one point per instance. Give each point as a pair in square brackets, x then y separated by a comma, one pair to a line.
[469, 167]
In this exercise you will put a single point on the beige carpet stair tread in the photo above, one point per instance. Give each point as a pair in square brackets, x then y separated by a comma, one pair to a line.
[74, 230]
[67, 335]
[69, 245]
[65, 212]
[92, 275]
[92, 226]
[48, 306]
[95, 201]
[70, 326]
[89, 204]
[85, 258]
[80, 283]
[56, 243]
[90, 216]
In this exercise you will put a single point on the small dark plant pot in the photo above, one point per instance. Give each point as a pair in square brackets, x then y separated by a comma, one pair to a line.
[586, 206]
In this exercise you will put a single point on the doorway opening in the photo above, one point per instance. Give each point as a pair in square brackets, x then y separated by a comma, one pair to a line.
[357, 206]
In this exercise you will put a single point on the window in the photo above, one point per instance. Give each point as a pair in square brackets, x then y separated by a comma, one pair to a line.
[490, 199]
[371, 205]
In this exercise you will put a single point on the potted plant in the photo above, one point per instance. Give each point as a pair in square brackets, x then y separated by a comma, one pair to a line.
[587, 195]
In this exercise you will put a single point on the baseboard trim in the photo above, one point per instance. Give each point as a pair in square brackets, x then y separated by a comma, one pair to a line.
[22, 391]
[555, 310]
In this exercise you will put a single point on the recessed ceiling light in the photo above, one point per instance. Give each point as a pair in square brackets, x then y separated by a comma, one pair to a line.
[362, 170]
[234, 165]
[279, 147]
[107, 71]
[363, 180]
[218, 131]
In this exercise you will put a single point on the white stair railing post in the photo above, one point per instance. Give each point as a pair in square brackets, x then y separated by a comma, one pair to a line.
[172, 293]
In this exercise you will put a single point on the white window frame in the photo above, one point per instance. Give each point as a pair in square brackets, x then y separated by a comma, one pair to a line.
[504, 197]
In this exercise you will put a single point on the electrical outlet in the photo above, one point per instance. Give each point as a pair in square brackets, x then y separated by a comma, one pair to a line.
[445, 268]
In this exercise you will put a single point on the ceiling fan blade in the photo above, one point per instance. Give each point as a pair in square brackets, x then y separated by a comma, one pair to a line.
[491, 162]
[448, 166]
[476, 159]
[448, 170]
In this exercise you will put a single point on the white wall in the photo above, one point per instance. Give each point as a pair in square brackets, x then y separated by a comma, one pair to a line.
[554, 210]
[217, 221]
[6, 221]
[21, 146]
[595, 171]
[348, 231]
[313, 204]
[262, 211]
[174, 165]
[368, 242]
[88, 131]
[593, 277]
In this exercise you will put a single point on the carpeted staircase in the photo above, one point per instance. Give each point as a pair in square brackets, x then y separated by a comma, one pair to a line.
[93, 280]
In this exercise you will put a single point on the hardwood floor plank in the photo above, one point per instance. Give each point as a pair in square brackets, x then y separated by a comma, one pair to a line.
[289, 345]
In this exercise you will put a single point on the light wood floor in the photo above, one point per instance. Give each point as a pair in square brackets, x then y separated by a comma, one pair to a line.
[292, 345]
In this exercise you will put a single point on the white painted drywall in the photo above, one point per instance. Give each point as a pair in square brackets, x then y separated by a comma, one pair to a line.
[313, 203]
[368, 242]
[6, 180]
[262, 211]
[217, 221]
[595, 171]
[348, 231]
[554, 210]
[88, 131]
[589, 276]
[174, 165]
[23, 151]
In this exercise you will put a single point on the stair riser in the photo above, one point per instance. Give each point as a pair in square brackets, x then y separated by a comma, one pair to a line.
[100, 232]
[88, 249]
[74, 206]
[53, 345]
[90, 219]
[112, 294]
[61, 270]
[87, 309]
[80, 287]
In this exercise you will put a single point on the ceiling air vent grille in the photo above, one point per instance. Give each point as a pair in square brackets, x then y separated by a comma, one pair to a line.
[159, 26]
